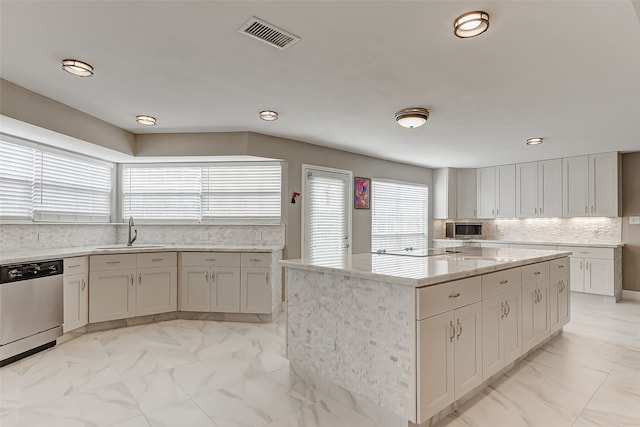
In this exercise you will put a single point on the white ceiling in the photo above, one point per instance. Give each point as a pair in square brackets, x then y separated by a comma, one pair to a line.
[568, 71]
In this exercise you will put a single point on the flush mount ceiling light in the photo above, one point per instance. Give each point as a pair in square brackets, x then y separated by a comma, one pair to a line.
[146, 120]
[412, 117]
[471, 24]
[268, 115]
[535, 141]
[77, 68]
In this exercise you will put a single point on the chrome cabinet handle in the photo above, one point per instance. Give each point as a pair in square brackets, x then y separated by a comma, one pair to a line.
[254, 259]
[213, 277]
[453, 331]
[83, 284]
[456, 295]
[206, 276]
[535, 273]
[502, 311]
[580, 265]
[459, 329]
[587, 265]
[508, 308]
[504, 282]
[585, 209]
[561, 266]
[535, 211]
[157, 259]
[132, 280]
[74, 266]
[266, 278]
[140, 279]
[113, 262]
[209, 259]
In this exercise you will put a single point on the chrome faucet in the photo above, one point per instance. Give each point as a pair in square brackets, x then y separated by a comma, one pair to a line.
[135, 236]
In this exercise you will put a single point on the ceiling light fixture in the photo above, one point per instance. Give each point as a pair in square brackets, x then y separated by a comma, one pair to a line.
[268, 115]
[412, 117]
[146, 120]
[535, 141]
[77, 68]
[471, 24]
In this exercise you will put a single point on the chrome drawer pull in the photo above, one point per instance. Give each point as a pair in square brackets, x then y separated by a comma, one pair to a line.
[536, 273]
[113, 262]
[456, 295]
[561, 266]
[254, 259]
[209, 259]
[504, 282]
[74, 266]
[157, 259]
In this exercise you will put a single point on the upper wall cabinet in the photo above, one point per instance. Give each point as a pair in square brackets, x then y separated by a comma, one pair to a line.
[591, 185]
[538, 194]
[444, 196]
[496, 188]
[466, 199]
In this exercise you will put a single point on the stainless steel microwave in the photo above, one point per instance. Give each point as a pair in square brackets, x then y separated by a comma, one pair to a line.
[463, 230]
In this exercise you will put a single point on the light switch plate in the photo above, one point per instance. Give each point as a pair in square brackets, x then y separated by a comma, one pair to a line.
[635, 220]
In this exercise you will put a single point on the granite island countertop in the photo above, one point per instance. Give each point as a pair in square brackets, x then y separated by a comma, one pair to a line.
[110, 249]
[429, 268]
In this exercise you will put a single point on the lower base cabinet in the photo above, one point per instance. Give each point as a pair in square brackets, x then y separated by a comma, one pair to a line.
[535, 314]
[75, 293]
[501, 331]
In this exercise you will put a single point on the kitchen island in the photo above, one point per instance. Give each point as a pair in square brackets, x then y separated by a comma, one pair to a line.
[406, 338]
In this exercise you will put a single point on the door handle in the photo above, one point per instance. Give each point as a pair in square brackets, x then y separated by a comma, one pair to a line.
[140, 279]
[83, 284]
[453, 331]
[206, 276]
[459, 329]
[508, 308]
[456, 295]
[266, 278]
[132, 280]
[502, 310]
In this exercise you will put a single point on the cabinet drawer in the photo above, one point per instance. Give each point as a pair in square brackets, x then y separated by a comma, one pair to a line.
[157, 259]
[112, 262]
[256, 259]
[75, 265]
[501, 282]
[211, 259]
[558, 267]
[586, 252]
[533, 273]
[448, 296]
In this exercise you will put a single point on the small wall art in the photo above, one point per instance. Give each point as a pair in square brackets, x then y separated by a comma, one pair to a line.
[362, 193]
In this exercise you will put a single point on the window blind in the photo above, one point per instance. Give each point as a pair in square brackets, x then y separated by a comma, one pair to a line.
[161, 193]
[326, 221]
[44, 184]
[399, 216]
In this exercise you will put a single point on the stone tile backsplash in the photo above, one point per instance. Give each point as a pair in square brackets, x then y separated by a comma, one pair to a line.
[25, 237]
[552, 230]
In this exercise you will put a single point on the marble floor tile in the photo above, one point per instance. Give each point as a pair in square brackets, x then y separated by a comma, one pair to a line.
[325, 413]
[107, 405]
[139, 421]
[63, 412]
[155, 391]
[181, 414]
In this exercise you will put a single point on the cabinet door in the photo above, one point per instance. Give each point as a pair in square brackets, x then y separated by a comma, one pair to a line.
[468, 349]
[467, 193]
[576, 266]
[486, 192]
[112, 296]
[157, 290]
[598, 276]
[529, 301]
[195, 289]
[255, 290]
[445, 193]
[527, 190]
[575, 186]
[541, 327]
[558, 302]
[76, 301]
[506, 191]
[225, 289]
[550, 188]
[511, 326]
[564, 302]
[492, 345]
[436, 336]
[603, 180]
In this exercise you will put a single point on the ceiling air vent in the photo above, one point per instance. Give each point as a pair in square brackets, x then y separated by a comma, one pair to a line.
[268, 33]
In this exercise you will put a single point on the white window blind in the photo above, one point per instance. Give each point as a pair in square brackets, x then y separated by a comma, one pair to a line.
[43, 184]
[326, 216]
[249, 192]
[399, 216]
[161, 193]
[229, 192]
[17, 176]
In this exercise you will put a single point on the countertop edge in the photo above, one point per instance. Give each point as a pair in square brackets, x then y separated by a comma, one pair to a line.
[522, 242]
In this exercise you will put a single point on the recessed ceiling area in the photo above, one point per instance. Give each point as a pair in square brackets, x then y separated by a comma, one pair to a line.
[564, 71]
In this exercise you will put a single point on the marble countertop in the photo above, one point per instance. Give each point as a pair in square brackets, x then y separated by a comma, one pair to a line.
[419, 271]
[520, 242]
[42, 254]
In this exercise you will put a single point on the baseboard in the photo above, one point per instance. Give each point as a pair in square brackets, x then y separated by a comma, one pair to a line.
[631, 295]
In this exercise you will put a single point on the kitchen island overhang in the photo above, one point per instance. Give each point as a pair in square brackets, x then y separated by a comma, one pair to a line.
[361, 323]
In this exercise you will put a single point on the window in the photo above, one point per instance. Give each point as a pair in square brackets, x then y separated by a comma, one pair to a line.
[399, 216]
[224, 192]
[43, 184]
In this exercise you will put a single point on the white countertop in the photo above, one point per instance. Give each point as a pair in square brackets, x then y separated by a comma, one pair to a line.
[43, 254]
[520, 242]
[418, 271]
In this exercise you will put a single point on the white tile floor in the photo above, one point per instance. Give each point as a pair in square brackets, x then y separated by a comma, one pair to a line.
[197, 373]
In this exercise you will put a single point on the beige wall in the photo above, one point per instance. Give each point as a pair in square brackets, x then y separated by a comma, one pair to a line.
[192, 144]
[29, 107]
[630, 233]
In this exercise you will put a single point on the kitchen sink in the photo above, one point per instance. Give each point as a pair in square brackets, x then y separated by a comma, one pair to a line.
[125, 247]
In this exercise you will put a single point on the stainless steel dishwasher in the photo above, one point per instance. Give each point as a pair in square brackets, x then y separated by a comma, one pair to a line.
[31, 311]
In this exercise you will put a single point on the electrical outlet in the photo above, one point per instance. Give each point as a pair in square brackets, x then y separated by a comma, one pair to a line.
[635, 220]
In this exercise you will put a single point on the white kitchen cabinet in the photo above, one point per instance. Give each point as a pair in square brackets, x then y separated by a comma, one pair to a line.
[535, 304]
[119, 289]
[559, 301]
[444, 196]
[449, 344]
[466, 197]
[255, 286]
[538, 193]
[592, 270]
[210, 282]
[591, 185]
[486, 189]
[75, 293]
